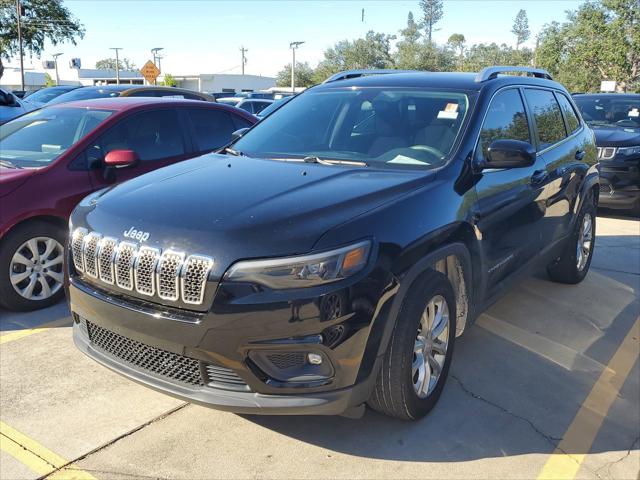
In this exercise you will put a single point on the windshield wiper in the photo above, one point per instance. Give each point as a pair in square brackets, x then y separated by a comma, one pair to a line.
[8, 164]
[235, 153]
[316, 159]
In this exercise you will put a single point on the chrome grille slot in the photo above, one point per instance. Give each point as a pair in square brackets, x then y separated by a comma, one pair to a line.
[168, 275]
[193, 281]
[106, 252]
[76, 248]
[144, 270]
[124, 264]
[606, 153]
[90, 253]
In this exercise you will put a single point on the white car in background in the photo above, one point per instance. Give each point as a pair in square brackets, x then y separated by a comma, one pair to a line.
[11, 106]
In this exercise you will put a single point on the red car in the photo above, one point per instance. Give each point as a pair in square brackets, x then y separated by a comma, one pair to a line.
[53, 157]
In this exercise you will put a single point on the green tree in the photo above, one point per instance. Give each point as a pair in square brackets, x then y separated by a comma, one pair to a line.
[521, 28]
[483, 55]
[599, 41]
[110, 64]
[48, 81]
[432, 13]
[43, 20]
[304, 75]
[169, 81]
[409, 47]
[372, 51]
[457, 42]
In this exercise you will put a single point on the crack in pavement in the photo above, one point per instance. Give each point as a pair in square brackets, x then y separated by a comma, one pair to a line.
[117, 439]
[608, 465]
[55, 467]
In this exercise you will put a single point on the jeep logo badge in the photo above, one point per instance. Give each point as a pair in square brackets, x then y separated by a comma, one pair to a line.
[136, 234]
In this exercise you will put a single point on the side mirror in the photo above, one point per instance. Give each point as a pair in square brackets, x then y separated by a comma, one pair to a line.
[239, 133]
[509, 154]
[4, 99]
[121, 158]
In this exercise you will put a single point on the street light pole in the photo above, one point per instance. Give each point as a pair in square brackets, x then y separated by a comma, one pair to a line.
[293, 46]
[117, 64]
[55, 61]
[244, 59]
[157, 57]
[19, 14]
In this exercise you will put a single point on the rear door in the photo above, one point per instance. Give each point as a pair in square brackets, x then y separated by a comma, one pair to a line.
[509, 211]
[159, 138]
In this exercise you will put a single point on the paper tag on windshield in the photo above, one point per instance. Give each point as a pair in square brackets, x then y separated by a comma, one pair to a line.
[634, 112]
[448, 115]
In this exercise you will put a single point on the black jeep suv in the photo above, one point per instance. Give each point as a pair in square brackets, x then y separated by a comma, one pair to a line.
[329, 257]
[615, 120]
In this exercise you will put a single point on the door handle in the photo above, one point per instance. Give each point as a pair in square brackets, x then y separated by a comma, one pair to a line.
[538, 177]
[580, 154]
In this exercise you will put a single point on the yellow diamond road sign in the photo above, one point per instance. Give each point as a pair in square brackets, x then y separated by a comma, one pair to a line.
[150, 71]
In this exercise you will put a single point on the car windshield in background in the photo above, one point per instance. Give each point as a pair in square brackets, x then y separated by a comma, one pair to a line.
[377, 126]
[619, 111]
[38, 138]
[47, 94]
[86, 94]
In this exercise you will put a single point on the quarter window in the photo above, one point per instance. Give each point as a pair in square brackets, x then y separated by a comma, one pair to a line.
[547, 116]
[569, 113]
[212, 128]
[506, 120]
[152, 135]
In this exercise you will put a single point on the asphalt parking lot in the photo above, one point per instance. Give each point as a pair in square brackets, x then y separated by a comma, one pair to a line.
[545, 385]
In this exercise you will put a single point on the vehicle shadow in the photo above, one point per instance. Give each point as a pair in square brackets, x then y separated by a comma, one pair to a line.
[50, 317]
[518, 378]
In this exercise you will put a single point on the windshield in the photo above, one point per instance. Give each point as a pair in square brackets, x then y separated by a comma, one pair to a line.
[620, 111]
[273, 106]
[377, 126]
[47, 94]
[38, 138]
[85, 94]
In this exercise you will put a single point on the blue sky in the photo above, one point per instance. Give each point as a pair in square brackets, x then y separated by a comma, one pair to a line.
[205, 36]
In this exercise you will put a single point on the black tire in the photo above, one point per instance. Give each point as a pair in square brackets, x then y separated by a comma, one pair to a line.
[394, 394]
[565, 269]
[9, 297]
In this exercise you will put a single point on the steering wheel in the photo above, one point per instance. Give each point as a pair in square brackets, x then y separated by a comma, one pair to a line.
[431, 150]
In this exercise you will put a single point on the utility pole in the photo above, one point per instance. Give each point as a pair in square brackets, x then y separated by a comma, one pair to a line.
[156, 59]
[55, 61]
[244, 59]
[19, 14]
[117, 64]
[293, 46]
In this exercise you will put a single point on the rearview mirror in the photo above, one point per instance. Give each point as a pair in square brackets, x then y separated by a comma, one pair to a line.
[509, 154]
[121, 158]
[239, 133]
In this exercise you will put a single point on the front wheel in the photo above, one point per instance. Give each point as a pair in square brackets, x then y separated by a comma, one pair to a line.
[416, 364]
[31, 267]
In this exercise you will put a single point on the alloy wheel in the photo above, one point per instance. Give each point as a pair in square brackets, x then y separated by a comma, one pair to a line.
[35, 270]
[430, 346]
[585, 238]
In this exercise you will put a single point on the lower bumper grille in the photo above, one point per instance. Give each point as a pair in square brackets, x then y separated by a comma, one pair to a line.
[163, 363]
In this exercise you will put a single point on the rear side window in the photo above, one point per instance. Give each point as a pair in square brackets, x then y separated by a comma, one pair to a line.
[212, 128]
[569, 113]
[547, 116]
[152, 135]
[506, 120]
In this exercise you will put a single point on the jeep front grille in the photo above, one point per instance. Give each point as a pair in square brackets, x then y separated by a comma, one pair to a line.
[606, 153]
[169, 275]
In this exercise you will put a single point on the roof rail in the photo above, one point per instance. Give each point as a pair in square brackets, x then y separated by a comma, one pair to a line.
[489, 73]
[347, 74]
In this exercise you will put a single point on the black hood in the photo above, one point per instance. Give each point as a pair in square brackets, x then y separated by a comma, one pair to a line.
[616, 136]
[238, 207]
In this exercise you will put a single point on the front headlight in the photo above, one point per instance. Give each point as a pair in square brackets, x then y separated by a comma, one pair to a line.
[629, 151]
[302, 271]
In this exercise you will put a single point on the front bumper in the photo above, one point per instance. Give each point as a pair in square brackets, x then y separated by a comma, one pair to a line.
[619, 184]
[149, 345]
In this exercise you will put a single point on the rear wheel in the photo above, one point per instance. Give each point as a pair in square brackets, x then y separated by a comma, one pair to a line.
[416, 365]
[31, 266]
[573, 264]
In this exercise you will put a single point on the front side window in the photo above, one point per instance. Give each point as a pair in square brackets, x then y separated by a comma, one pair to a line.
[547, 116]
[569, 113]
[505, 120]
[212, 128]
[378, 126]
[38, 138]
[152, 135]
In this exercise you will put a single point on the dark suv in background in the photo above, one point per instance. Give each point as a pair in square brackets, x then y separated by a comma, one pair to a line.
[331, 256]
[615, 119]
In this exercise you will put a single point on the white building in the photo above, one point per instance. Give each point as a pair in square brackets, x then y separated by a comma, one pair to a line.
[224, 82]
[32, 80]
